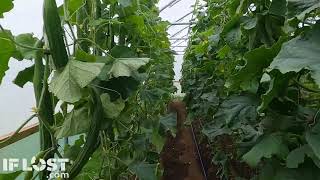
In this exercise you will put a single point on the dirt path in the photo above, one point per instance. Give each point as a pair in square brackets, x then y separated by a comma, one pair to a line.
[179, 156]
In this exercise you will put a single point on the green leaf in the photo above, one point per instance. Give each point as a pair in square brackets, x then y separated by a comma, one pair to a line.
[152, 95]
[312, 137]
[24, 76]
[67, 85]
[214, 40]
[83, 56]
[125, 3]
[112, 109]
[275, 171]
[27, 40]
[7, 49]
[213, 130]
[249, 75]
[122, 52]
[232, 31]
[268, 146]
[300, 53]
[76, 122]
[5, 6]
[250, 23]
[299, 8]
[126, 86]
[92, 169]
[158, 141]
[71, 151]
[223, 52]
[233, 37]
[237, 108]
[169, 122]
[297, 156]
[73, 6]
[136, 21]
[144, 171]
[10, 176]
[277, 85]
[232, 24]
[278, 7]
[127, 66]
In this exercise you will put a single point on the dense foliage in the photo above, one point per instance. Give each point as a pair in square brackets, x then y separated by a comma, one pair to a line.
[251, 72]
[103, 69]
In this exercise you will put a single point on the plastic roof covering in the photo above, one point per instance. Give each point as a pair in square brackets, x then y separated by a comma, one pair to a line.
[179, 13]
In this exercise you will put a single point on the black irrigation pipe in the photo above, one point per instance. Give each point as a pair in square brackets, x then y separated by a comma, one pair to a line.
[199, 154]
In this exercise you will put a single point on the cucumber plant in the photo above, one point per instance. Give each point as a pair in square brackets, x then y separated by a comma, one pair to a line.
[251, 73]
[102, 75]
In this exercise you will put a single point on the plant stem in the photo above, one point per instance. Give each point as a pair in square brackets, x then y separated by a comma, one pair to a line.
[46, 51]
[89, 40]
[305, 87]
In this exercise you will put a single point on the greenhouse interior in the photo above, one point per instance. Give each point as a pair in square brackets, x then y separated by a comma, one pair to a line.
[160, 89]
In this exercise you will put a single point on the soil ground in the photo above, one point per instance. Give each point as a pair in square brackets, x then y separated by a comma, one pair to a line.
[180, 158]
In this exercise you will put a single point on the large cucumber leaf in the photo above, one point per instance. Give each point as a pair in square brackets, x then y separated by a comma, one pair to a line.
[76, 122]
[112, 109]
[127, 66]
[256, 61]
[5, 6]
[7, 50]
[299, 8]
[270, 145]
[144, 170]
[66, 85]
[302, 52]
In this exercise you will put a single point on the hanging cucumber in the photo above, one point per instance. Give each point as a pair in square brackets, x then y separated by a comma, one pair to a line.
[45, 110]
[54, 33]
[40, 155]
[92, 140]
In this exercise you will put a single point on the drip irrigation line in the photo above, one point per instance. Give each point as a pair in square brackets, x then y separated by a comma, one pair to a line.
[198, 151]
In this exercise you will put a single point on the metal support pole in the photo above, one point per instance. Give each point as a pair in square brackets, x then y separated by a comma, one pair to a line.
[170, 4]
[182, 24]
[180, 31]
